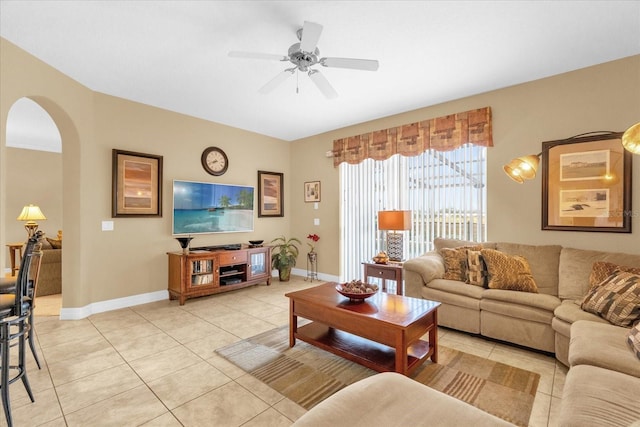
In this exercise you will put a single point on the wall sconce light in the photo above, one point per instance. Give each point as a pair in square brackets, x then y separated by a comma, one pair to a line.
[523, 168]
[631, 139]
[30, 213]
[394, 221]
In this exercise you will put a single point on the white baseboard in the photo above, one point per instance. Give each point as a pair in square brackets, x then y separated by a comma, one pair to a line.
[118, 303]
[114, 304]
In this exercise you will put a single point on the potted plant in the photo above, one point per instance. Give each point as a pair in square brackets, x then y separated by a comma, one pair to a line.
[284, 255]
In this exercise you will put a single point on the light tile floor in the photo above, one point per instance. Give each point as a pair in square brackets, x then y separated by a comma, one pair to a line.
[155, 365]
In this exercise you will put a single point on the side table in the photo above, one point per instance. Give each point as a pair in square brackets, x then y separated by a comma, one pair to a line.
[389, 271]
[15, 263]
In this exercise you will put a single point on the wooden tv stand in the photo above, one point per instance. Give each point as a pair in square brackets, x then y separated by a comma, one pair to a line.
[210, 271]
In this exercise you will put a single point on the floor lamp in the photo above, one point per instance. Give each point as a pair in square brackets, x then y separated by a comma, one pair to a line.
[392, 222]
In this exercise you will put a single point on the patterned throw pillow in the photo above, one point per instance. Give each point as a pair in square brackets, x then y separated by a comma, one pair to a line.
[601, 270]
[455, 262]
[509, 272]
[634, 339]
[617, 299]
[476, 269]
[55, 243]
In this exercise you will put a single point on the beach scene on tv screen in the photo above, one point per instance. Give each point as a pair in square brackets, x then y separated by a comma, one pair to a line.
[201, 207]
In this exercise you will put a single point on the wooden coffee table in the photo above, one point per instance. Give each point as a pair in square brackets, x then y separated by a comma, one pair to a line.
[382, 333]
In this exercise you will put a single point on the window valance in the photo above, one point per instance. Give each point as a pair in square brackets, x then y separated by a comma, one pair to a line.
[441, 134]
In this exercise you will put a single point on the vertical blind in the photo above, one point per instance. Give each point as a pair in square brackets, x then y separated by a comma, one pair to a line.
[444, 190]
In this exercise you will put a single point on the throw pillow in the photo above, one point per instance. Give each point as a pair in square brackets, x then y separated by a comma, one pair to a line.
[634, 339]
[455, 262]
[509, 272]
[55, 243]
[617, 299]
[601, 270]
[476, 269]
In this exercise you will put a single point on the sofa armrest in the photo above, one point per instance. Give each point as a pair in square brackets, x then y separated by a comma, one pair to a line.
[429, 266]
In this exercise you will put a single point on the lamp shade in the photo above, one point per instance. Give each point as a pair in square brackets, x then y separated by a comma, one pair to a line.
[522, 168]
[394, 220]
[631, 139]
[31, 213]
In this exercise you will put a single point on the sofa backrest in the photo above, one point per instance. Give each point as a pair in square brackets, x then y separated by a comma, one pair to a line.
[575, 269]
[543, 260]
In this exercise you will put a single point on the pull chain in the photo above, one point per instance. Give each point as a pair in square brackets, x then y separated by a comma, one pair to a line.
[297, 81]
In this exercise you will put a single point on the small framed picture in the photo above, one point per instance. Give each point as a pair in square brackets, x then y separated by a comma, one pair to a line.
[312, 191]
[136, 184]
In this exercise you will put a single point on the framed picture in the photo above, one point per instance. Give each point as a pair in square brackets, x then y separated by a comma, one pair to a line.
[586, 184]
[136, 184]
[270, 194]
[312, 191]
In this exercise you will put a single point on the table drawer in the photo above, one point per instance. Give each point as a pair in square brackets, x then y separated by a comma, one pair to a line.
[381, 273]
[232, 258]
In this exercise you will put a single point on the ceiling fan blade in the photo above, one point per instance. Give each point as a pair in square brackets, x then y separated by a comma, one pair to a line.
[254, 55]
[277, 81]
[323, 84]
[310, 36]
[355, 64]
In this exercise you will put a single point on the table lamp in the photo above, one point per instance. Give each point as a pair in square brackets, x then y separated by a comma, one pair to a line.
[393, 221]
[30, 213]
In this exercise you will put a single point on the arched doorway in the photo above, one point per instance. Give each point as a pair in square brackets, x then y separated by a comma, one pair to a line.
[34, 176]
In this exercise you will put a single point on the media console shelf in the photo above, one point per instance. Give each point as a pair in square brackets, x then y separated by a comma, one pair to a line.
[210, 270]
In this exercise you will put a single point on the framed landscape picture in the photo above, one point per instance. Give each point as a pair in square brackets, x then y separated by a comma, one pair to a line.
[270, 194]
[136, 184]
[586, 184]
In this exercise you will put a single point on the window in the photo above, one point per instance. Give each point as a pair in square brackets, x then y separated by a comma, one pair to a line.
[445, 190]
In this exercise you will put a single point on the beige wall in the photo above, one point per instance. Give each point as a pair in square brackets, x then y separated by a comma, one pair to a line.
[101, 266]
[131, 260]
[603, 97]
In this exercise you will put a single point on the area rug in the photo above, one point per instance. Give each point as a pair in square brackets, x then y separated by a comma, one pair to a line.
[307, 375]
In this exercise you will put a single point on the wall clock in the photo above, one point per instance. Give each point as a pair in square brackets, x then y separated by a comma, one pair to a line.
[214, 161]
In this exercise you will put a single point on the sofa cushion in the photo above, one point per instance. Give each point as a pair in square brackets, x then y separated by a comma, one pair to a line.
[543, 261]
[542, 301]
[526, 312]
[429, 266]
[617, 299]
[599, 397]
[440, 243]
[400, 400]
[569, 311]
[476, 269]
[456, 287]
[601, 270]
[603, 345]
[508, 272]
[575, 269]
[455, 262]
[634, 340]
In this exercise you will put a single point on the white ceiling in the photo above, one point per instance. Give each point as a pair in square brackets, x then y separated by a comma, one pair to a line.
[173, 54]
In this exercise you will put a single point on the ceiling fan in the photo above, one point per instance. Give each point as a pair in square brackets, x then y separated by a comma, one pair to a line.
[305, 55]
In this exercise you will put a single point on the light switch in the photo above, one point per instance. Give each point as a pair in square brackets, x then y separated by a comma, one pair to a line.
[315, 205]
[316, 221]
[107, 225]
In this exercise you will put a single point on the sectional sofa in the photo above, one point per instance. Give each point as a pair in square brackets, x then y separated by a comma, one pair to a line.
[603, 383]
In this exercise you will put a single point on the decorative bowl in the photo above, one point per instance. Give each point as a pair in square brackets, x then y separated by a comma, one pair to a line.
[356, 296]
[256, 242]
[381, 258]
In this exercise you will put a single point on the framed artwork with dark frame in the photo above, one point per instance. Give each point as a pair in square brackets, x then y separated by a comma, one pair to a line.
[312, 191]
[270, 194]
[586, 184]
[136, 184]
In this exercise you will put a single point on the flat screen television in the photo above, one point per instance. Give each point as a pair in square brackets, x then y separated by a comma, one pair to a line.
[206, 207]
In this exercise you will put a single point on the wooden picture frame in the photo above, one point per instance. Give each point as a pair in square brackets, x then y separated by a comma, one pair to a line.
[311, 191]
[270, 194]
[586, 184]
[136, 184]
